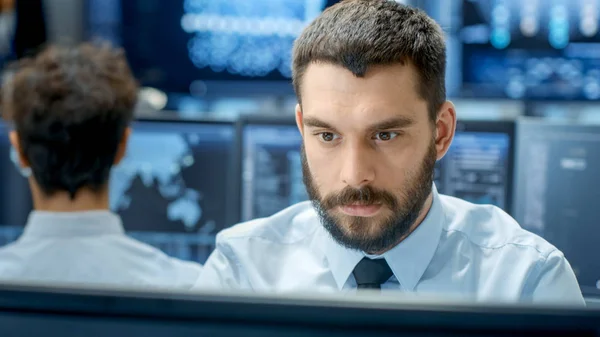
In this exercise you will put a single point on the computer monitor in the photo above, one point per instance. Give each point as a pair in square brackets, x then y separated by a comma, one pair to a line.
[179, 45]
[271, 166]
[37, 311]
[15, 196]
[172, 189]
[478, 166]
[534, 50]
[557, 191]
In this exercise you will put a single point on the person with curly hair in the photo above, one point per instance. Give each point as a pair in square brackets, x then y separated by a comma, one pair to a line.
[71, 109]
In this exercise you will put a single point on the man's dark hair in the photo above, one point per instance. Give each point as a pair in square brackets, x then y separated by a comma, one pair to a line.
[70, 108]
[358, 34]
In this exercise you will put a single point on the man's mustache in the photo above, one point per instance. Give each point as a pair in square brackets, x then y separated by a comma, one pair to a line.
[364, 196]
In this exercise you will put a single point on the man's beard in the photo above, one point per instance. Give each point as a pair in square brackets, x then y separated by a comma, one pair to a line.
[361, 234]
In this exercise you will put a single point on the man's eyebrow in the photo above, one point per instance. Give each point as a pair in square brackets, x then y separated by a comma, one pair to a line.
[313, 122]
[392, 123]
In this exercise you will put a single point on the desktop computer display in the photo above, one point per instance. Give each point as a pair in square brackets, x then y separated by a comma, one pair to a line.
[537, 50]
[478, 166]
[171, 189]
[271, 167]
[557, 192]
[176, 45]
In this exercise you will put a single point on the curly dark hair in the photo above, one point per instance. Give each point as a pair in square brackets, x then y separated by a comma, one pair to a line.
[357, 34]
[70, 108]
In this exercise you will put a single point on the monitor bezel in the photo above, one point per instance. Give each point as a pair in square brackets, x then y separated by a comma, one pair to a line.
[321, 313]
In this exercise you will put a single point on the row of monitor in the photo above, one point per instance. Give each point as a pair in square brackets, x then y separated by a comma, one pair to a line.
[182, 182]
[536, 50]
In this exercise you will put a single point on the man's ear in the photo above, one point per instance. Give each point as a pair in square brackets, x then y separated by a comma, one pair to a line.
[14, 141]
[122, 148]
[299, 122]
[445, 127]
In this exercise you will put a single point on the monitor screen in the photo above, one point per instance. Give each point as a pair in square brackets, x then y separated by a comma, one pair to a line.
[557, 190]
[15, 196]
[477, 168]
[538, 49]
[478, 165]
[172, 187]
[271, 169]
[175, 45]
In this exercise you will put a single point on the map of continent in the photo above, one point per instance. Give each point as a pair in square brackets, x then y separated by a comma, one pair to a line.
[157, 159]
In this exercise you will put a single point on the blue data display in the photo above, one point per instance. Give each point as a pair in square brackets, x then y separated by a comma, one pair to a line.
[271, 170]
[250, 38]
[171, 45]
[476, 168]
[170, 189]
[542, 49]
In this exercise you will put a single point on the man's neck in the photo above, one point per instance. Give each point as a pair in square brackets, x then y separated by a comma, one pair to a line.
[85, 200]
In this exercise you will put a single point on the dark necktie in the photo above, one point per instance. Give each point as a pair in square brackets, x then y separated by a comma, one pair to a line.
[371, 274]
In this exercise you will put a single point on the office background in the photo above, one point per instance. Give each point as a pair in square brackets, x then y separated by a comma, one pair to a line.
[216, 144]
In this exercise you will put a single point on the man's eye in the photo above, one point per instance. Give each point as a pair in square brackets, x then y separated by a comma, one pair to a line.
[327, 136]
[385, 136]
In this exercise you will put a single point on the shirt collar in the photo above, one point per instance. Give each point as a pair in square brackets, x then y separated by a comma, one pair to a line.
[72, 224]
[408, 260]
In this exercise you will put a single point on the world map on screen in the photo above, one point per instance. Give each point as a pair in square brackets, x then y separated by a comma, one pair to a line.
[158, 159]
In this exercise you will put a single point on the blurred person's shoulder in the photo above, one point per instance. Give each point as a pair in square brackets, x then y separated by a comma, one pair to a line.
[105, 260]
[12, 260]
[157, 268]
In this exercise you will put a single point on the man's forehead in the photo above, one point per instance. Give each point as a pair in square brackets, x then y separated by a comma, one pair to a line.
[383, 112]
[324, 73]
[382, 92]
[361, 113]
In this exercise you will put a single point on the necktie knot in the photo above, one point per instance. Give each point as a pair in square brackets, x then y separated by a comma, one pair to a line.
[371, 274]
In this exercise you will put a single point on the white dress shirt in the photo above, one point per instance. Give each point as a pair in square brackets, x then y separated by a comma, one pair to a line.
[89, 248]
[460, 249]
